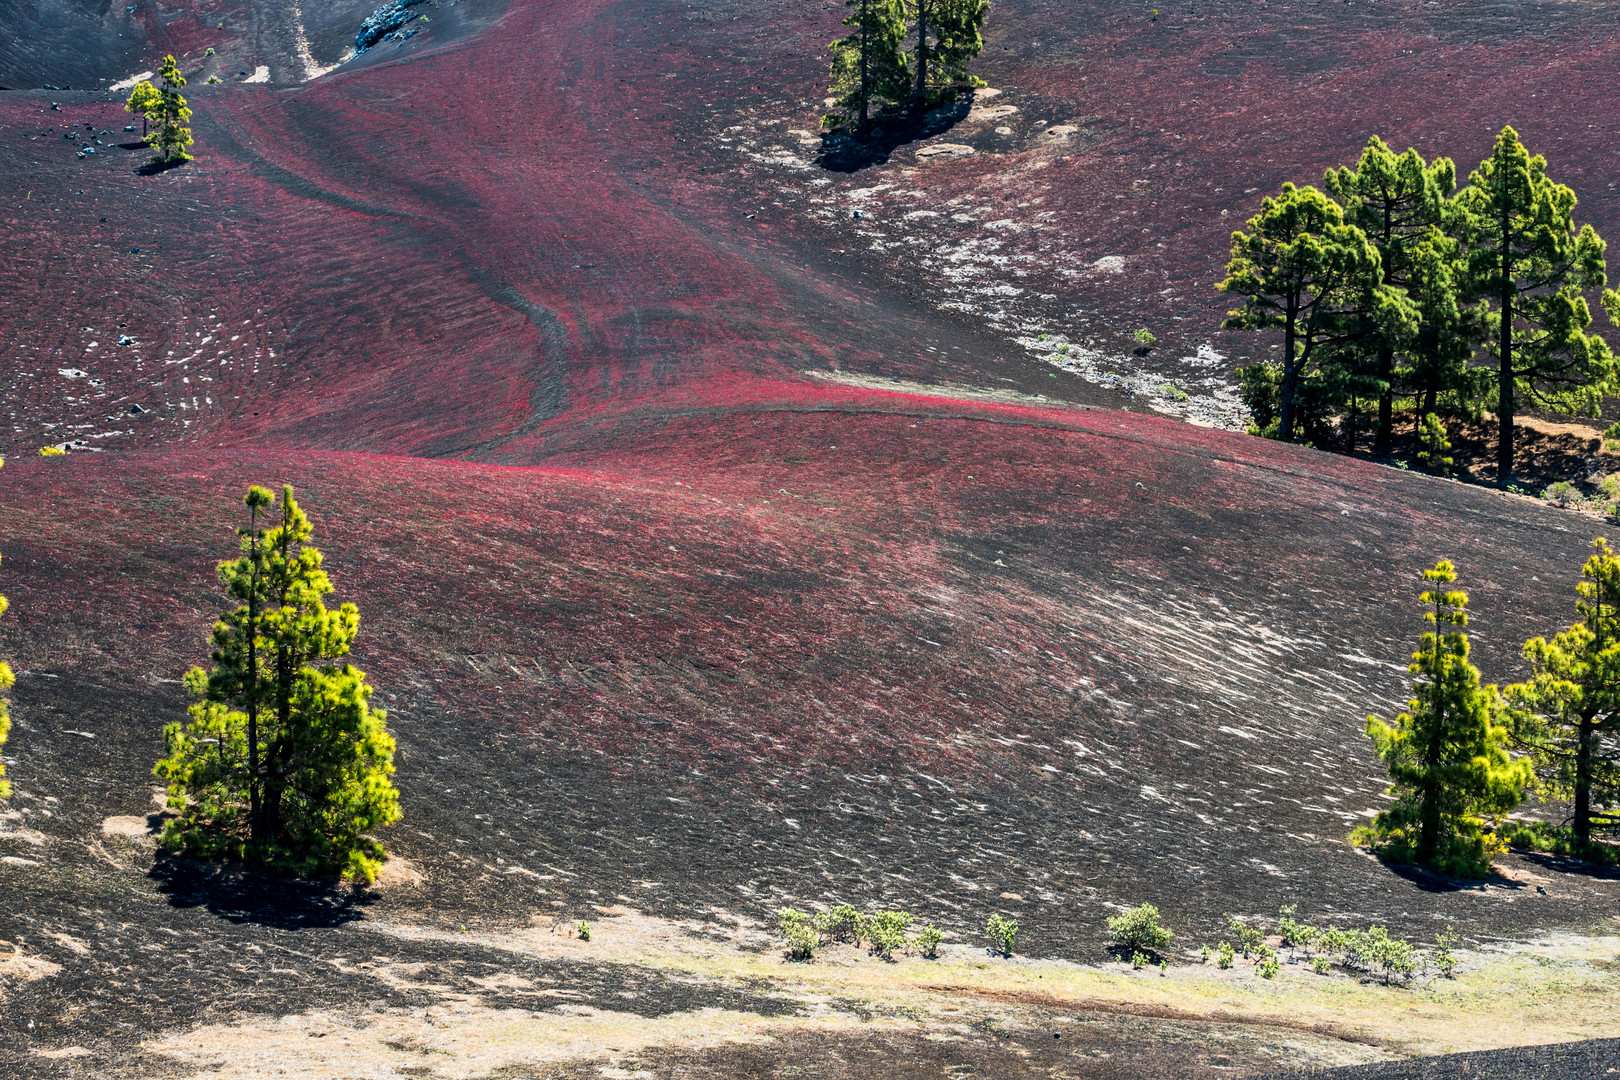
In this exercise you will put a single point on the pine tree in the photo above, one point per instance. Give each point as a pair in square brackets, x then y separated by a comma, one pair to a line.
[869, 65]
[171, 115]
[7, 681]
[1433, 444]
[284, 761]
[1567, 714]
[949, 34]
[1401, 203]
[146, 101]
[1448, 766]
[1302, 269]
[1528, 259]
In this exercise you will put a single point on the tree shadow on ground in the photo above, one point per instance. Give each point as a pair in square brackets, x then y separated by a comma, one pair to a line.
[1433, 881]
[243, 895]
[848, 152]
[152, 168]
[1569, 864]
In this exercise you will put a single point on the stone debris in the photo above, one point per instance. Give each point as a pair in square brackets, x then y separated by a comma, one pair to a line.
[385, 24]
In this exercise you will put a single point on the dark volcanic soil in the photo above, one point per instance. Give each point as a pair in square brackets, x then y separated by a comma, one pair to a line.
[526, 310]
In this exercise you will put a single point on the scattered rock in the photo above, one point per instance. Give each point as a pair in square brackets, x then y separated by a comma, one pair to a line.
[1110, 264]
[994, 112]
[384, 23]
[945, 149]
[127, 826]
[136, 410]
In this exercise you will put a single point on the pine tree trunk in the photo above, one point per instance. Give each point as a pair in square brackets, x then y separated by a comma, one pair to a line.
[866, 30]
[1285, 409]
[919, 100]
[1504, 394]
[1583, 781]
[1386, 403]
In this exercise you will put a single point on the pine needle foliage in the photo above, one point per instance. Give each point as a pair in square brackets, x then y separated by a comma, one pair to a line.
[869, 72]
[1447, 754]
[171, 115]
[1302, 269]
[144, 101]
[1530, 262]
[7, 681]
[949, 34]
[284, 762]
[1567, 714]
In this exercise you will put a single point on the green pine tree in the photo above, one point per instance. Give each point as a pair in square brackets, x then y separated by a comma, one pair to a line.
[1400, 202]
[1300, 268]
[949, 34]
[869, 65]
[171, 115]
[1530, 262]
[7, 681]
[146, 101]
[1448, 766]
[284, 761]
[1567, 714]
[1434, 444]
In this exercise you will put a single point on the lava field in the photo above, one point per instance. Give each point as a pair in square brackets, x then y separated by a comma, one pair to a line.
[739, 517]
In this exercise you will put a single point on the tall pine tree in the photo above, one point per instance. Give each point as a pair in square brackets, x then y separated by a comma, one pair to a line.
[1301, 269]
[1400, 202]
[869, 65]
[1567, 714]
[284, 761]
[949, 34]
[171, 115]
[1530, 262]
[1448, 766]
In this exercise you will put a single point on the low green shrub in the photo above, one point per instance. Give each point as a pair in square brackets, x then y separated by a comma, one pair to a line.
[1557, 840]
[1443, 958]
[842, 922]
[1321, 965]
[583, 930]
[1248, 937]
[1267, 968]
[798, 930]
[1224, 955]
[927, 941]
[1138, 928]
[1139, 960]
[1562, 493]
[885, 931]
[1002, 932]
[1145, 338]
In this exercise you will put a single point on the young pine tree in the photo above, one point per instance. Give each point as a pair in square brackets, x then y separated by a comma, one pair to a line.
[7, 681]
[869, 65]
[1448, 766]
[1302, 270]
[171, 114]
[284, 762]
[145, 101]
[1529, 261]
[1567, 715]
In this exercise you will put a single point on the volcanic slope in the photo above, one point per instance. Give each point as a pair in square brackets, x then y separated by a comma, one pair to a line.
[673, 633]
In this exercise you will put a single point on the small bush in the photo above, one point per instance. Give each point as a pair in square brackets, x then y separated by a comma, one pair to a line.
[799, 932]
[1267, 968]
[886, 932]
[1145, 338]
[1138, 928]
[1611, 438]
[927, 941]
[1139, 960]
[1562, 493]
[1248, 937]
[1224, 954]
[1321, 965]
[842, 923]
[1292, 930]
[51, 451]
[208, 51]
[1173, 392]
[1063, 349]
[1443, 958]
[1557, 840]
[1002, 932]
[583, 930]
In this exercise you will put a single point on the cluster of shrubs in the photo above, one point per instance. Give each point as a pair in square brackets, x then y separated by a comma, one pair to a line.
[1605, 499]
[882, 932]
[1374, 951]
